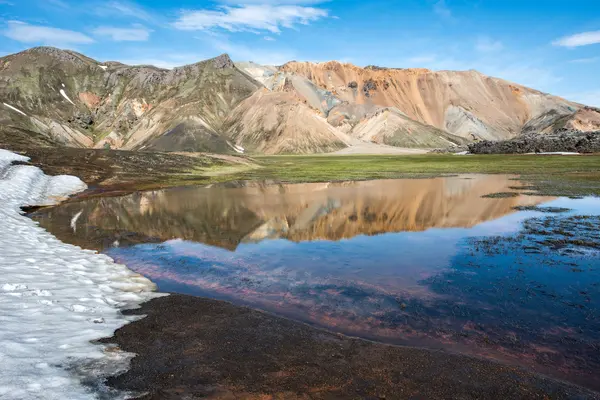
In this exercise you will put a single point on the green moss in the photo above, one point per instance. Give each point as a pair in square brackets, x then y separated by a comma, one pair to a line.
[552, 176]
[500, 195]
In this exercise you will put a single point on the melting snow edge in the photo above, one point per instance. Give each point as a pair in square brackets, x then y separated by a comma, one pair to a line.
[55, 298]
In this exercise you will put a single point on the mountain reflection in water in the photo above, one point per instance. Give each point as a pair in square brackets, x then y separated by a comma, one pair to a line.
[425, 262]
[226, 217]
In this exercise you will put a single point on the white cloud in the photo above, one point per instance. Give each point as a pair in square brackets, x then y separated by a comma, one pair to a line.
[239, 52]
[272, 2]
[442, 9]
[58, 3]
[421, 59]
[589, 98]
[525, 74]
[257, 55]
[585, 60]
[123, 9]
[156, 62]
[580, 39]
[251, 18]
[26, 33]
[137, 33]
[487, 45]
[269, 38]
[167, 60]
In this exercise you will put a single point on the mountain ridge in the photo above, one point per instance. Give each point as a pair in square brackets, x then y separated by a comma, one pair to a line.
[62, 97]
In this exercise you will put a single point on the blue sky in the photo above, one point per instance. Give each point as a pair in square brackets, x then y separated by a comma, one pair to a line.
[551, 45]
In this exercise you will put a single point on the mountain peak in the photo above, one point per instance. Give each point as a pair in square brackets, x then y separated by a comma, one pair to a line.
[223, 61]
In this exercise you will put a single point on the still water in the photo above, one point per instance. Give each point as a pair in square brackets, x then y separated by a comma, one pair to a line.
[426, 262]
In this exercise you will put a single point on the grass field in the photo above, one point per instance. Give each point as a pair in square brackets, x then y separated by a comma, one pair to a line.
[316, 168]
[130, 171]
[552, 175]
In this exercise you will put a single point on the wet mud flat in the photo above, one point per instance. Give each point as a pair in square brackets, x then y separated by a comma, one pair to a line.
[191, 348]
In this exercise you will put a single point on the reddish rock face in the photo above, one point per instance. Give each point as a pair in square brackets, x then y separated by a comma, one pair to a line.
[89, 99]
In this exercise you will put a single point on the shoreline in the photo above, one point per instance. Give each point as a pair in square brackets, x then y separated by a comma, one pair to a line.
[56, 299]
[276, 323]
[301, 361]
[193, 347]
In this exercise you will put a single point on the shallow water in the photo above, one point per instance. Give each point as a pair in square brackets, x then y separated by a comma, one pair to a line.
[425, 262]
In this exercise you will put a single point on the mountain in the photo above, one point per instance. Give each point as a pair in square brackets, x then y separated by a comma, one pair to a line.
[467, 104]
[76, 101]
[55, 97]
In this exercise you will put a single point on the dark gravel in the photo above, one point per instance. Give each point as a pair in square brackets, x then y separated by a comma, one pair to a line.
[192, 348]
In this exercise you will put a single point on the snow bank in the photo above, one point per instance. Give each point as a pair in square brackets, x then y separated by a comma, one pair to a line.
[555, 153]
[236, 148]
[63, 94]
[55, 298]
[14, 109]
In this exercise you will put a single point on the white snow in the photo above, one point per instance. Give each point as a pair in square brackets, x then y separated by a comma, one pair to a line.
[236, 148]
[104, 67]
[55, 298]
[556, 153]
[74, 221]
[63, 85]
[62, 92]
[14, 109]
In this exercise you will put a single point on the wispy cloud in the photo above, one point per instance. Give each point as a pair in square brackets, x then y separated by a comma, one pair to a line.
[526, 74]
[273, 2]
[241, 52]
[442, 9]
[422, 59]
[166, 60]
[579, 39]
[123, 9]
[6, 3]
[588, 60]
[58, 3]
[35, 34]
[250, 18]
[269, 38]
[589, 98]
[485, 44]
[137, 33]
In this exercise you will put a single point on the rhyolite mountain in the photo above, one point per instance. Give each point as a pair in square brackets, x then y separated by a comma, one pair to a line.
[54, 97]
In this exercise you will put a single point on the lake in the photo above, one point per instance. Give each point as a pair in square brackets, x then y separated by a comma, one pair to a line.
[418, 262]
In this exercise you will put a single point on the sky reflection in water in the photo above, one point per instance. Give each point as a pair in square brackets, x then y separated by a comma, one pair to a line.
[417, 262]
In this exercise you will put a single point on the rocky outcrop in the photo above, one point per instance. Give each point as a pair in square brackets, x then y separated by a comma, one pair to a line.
[561, 141]
[586, 119]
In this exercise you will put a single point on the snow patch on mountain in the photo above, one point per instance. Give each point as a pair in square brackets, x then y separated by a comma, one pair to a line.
[14, 109]
[63, 94]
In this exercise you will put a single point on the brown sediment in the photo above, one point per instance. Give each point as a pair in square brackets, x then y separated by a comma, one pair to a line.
[192, 348]
[120, 171]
